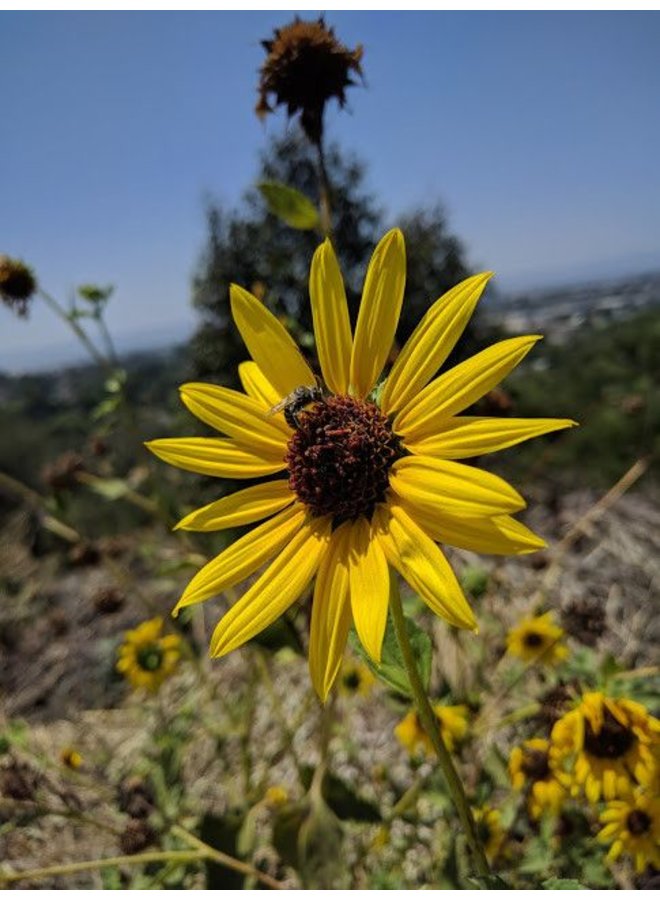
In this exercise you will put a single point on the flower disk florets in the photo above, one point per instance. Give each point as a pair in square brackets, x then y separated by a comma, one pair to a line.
[340, 456]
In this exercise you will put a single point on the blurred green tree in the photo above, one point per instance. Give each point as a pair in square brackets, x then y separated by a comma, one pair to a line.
[253, 248]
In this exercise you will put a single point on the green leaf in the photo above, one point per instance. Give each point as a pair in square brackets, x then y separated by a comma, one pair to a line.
[342, 799]
[289, 205]
[391, 669]
[488, 882]
[562, 884]
[110, 488]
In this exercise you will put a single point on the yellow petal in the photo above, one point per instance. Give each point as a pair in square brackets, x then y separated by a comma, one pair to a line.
[468, 436]
[331, 614]
[244, 556]
[256, 385]
[241, 417]
[211, 456]
[240, 508]
[431, 342]
[500, 535]
[422, 564]
[269, 343]
[379, 312]
[461, 386]
[275, 590]
[453, 486]
[370, 586]
[332, 327]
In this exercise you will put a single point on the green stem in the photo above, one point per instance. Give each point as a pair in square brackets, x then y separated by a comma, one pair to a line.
[432, 728]
[325, 193]
[180, 856]
[80, 333]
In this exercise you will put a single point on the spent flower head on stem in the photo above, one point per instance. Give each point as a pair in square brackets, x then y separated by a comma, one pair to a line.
[306, 66]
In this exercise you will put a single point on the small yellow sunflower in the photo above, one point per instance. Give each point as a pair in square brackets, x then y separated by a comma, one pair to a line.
[605, 746]
[370, 478]
[489, 828]
[632, 826]
[537, 639]
[453, 727]
[529, 767]
[355, 678]
[147, 658]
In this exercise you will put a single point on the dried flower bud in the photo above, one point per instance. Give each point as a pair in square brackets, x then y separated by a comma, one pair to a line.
[17, 284]
[17, 782]
[108, 600]
[306, 66]
[585, 620]
[135, 797]
[60, 475]
[137, 835]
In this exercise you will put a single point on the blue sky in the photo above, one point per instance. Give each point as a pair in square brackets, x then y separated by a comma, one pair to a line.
[538, 131]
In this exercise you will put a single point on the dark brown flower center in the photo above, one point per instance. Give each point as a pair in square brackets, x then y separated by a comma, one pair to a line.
[352, 681]
[613, 740]
[340, 456]
[150, 657]
[535, 764]
[638, 822]
[533, 639]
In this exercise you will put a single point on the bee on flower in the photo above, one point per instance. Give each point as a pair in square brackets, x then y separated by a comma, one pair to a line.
[537, 640]
[453, 728]
[605, 747]
[147, 657]
[529, 768]
[632, 827]
[369, 481]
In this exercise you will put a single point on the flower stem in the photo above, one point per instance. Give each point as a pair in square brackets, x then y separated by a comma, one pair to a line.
[430, 724]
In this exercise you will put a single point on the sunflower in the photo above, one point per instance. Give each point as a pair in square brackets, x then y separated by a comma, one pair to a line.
[529, 766]
[146, 658]
[453, 727]
[491, 832]
[537, 639]
[370, 477]
[605, 746]
[632, 826]
[355, 678]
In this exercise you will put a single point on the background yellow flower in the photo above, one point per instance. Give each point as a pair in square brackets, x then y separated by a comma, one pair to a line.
[537, 639]
[147, 658]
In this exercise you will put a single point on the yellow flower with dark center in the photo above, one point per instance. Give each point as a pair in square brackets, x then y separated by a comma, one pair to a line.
[371, 479]
[529, 768]
[632, 827]
[306, 66]
[453, 728]
[537, 639]
[489, 828]
[147, 658]
[605, 746]
[355, 678]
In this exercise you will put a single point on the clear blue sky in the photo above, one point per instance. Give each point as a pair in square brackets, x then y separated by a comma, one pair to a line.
[539, 131]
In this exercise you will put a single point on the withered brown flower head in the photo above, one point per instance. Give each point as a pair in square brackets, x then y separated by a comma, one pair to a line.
[17, 284]
[306, 66]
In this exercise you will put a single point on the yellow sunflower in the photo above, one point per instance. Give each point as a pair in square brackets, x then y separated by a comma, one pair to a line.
[632, 826]
[537, 639]
[147, 658]
[369, 479]
[355, 678]
[529, 767]
[453, 727]
[605, 746]
[491, 832]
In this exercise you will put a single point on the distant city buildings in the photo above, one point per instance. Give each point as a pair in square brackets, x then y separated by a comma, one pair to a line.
[558, 313]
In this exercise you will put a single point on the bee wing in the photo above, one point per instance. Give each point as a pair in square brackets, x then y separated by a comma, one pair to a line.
[278, 407]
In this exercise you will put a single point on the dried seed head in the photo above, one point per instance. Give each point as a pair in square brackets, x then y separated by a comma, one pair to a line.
[306, 66]
[137, 835]
[17, 284]
[585, 620]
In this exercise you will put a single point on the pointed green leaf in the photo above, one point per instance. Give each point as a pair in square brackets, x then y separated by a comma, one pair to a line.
[289, 205]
